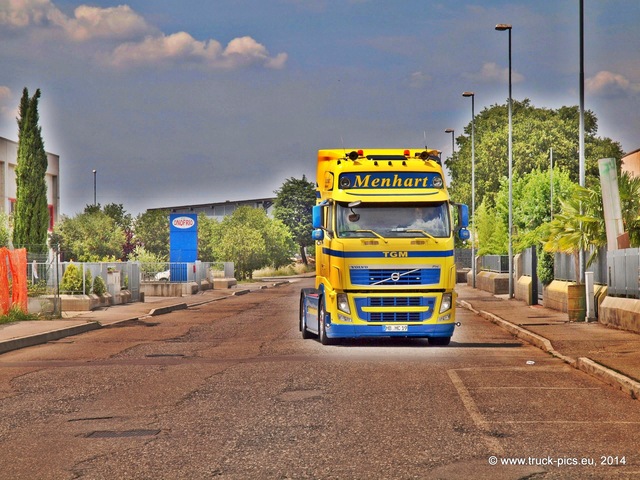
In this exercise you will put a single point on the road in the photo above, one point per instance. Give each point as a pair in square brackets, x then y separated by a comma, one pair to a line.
[231, 390]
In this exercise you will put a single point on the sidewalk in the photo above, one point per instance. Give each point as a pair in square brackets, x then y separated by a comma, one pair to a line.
[18, 335]
[607, 353]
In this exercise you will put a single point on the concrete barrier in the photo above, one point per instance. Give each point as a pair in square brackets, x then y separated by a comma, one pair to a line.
[496, 283]
[621, 313]
[222, 283]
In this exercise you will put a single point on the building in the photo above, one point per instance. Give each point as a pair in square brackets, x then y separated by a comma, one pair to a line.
[220, 210]
[631, 163]
[8, 162]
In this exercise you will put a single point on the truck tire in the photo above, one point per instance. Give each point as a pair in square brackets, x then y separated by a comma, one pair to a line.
[442, 341]
[303, 327]
[322, 324]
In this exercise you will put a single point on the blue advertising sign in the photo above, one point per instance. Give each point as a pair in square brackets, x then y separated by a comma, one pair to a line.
[183, 243]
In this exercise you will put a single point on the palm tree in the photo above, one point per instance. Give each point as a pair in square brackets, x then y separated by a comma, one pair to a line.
[572, 231]
[629, 188]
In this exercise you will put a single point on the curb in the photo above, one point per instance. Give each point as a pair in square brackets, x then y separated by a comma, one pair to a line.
[584, 364]
[167, 309]
[40, 338]
[45, 337]
[611, 377]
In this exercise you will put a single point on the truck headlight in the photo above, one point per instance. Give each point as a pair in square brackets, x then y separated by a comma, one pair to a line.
[343, 303]
[446, 302]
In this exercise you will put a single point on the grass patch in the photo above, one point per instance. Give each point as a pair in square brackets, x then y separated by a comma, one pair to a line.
[292, 269]
[17, 315]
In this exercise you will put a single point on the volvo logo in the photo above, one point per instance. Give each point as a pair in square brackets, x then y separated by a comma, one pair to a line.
[395, 276]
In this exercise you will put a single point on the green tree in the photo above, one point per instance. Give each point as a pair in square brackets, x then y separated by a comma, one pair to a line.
[151, 230]
[89, 237]
[252, 241]
[209, 234]
[490, 231]
[293, 205]
[535, 132]
[245, 247]
[5, 230]
[31, 214]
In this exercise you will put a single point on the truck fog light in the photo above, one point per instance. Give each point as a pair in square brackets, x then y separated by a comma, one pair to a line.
[344, 318]
[444, 318]
[446, 302]
[343, 303]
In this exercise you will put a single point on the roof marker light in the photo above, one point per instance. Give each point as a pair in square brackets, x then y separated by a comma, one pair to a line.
[407, 153]
[360, 153]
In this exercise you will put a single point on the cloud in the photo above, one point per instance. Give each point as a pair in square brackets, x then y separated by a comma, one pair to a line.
[491, 72]
[144, 44]
[8, 107]
[610, 85]
[419, 79]
[88, 22]
[115, 22]
[183, 48]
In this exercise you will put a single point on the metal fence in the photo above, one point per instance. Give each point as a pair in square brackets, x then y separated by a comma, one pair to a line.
[564, 267]
[623, 272]
[46, 277]
[495, 263]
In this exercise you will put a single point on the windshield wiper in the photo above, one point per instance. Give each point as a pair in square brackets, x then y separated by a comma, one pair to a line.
[420, 231]
[373, 233]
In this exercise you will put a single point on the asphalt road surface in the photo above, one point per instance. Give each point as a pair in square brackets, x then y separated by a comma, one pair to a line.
[231, 390]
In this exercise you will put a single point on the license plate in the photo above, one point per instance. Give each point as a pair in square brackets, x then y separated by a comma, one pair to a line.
[396, 328]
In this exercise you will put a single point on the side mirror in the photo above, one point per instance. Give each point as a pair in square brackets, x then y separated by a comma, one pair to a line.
[463, 215]
[464, 234]
[317, 234]
[316, 216]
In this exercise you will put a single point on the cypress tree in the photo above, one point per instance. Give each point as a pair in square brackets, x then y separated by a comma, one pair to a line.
[31, 213]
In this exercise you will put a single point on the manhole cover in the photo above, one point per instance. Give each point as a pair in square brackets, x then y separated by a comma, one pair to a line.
[122, 434]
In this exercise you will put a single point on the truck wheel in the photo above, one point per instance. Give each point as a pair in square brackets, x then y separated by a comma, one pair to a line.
[439, 340]
[303, 326]
[322, 324]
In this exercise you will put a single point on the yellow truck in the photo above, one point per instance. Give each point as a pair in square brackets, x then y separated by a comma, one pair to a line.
[384, 232]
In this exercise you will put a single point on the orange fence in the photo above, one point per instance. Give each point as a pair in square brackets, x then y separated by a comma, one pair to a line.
[14, 261]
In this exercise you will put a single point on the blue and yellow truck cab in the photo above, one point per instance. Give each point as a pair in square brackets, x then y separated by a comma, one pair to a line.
[384, 232]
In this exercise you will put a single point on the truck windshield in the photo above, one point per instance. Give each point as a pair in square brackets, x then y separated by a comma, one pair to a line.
[393, 220]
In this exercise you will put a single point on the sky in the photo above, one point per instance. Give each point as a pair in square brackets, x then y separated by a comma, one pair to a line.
[192, 101]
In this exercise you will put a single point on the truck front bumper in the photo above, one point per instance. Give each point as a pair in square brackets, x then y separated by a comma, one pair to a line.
[341, 330]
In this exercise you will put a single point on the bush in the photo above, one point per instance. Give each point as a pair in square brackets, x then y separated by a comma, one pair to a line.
[545, 266]
[99, 288]
[88, 281]
[71, 280]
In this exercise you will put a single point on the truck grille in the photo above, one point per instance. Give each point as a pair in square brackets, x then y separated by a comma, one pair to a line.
[390, 315]
[395, 276]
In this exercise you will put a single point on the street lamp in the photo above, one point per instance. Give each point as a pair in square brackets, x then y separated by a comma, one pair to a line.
[94, 188]
[473, 186]
[453, 146]
[502, 27]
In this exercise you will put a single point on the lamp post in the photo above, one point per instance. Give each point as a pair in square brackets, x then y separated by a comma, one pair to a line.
[453, 134]
[581, 159]
[473, 186]
[94, 187]
[502, 27]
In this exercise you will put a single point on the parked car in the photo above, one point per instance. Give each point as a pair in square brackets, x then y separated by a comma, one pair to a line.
[163, 276]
